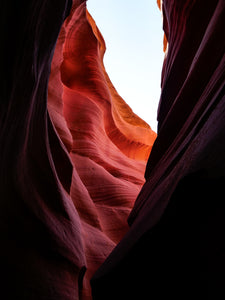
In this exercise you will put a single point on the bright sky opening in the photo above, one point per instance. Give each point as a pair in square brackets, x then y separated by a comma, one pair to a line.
[134, 40]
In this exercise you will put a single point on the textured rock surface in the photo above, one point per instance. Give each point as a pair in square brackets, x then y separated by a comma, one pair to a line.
[175, 245]
[69, 175]
[110, 143]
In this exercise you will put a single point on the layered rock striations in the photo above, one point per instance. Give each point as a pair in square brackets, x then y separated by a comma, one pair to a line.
[73, 156]
[72, 153]
[175, 245]
[110, 144]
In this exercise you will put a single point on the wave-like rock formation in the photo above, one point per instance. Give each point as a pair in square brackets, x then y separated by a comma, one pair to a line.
[72, 153]
[110, 144]
[175, 247]
[73, 157]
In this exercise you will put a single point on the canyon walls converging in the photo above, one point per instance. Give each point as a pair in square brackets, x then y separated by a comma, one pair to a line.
[86, 213]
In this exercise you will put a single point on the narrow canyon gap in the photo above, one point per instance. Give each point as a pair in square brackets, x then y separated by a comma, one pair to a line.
[134, 56]
[73, 157]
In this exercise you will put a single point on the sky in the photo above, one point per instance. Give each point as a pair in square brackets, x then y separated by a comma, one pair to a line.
[133, 60]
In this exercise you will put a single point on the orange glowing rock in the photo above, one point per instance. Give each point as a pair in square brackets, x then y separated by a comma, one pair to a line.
[70, 174]
[110, 144]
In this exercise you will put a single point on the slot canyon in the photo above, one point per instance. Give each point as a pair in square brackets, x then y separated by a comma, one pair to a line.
[94, 204]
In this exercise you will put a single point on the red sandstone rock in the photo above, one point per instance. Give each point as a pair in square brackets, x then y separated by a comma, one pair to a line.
[110, 143]
[69, 174]
[69, 181]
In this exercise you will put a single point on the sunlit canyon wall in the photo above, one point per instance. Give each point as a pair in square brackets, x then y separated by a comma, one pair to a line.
[108, 144]
[73, 157]
[73, 153]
